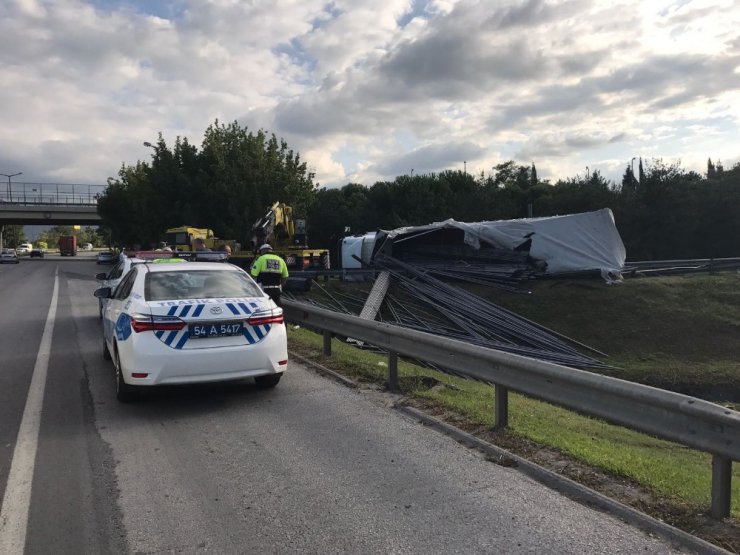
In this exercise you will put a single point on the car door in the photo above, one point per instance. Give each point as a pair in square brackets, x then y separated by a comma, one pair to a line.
[115, 305]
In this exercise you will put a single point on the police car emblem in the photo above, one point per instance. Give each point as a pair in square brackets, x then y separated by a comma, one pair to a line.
[216, 310]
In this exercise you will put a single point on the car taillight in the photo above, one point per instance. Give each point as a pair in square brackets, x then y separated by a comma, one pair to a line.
[266, 317]
[142, 322]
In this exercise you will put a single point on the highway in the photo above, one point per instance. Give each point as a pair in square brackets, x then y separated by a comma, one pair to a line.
[310, 467]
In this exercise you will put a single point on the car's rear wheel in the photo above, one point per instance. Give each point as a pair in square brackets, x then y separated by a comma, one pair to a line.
[266, 382]
[106, 352]
[125, 393]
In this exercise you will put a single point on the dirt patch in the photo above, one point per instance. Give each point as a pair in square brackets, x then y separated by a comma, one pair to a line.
[725, 533]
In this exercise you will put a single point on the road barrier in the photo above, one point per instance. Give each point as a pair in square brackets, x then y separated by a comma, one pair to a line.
[671, 416]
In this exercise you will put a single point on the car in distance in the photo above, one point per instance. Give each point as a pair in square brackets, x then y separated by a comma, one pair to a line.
[37, 253]
[8, 256]
[23, 248]
[190, 323]
[86, 247]
[105, 257]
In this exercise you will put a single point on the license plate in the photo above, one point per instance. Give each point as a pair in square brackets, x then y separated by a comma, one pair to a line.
[214, 329]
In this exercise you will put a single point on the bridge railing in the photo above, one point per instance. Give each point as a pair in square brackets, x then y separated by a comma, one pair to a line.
[50, 194]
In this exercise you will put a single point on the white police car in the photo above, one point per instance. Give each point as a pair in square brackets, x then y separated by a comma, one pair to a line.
[113, 278]
[189, 323]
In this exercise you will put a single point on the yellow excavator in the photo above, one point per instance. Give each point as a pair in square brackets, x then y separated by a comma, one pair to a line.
[288, 238]
[277, 227]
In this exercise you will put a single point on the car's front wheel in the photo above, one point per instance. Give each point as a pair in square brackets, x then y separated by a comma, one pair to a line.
[125, 393]
[268, 381]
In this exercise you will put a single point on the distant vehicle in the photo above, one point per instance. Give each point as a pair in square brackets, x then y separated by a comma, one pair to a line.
[191, 323]
[68, 245]
[37, 253]
[23, 248]
[106, 257]
[8, 256]
[86, 247]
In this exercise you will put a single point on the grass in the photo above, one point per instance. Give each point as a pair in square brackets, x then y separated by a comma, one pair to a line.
[681, 475]
[665, 331]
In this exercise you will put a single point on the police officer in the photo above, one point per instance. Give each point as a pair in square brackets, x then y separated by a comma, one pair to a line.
[271, 272]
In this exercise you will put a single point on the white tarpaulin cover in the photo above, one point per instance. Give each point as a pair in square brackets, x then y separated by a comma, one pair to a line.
[588, 241]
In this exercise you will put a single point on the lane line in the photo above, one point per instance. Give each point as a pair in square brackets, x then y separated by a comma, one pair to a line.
[17, 498]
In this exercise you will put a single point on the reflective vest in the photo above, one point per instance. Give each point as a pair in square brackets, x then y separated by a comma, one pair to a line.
[269, 270]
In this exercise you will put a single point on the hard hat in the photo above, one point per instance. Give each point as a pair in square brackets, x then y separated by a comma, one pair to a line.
[266, 247]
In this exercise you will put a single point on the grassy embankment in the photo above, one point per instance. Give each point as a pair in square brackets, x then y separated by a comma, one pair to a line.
[674, 332]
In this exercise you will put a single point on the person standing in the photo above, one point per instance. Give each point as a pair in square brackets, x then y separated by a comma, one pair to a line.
[199, 245]
[271, 272]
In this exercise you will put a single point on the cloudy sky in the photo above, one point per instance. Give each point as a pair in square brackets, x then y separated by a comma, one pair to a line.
[368, 90]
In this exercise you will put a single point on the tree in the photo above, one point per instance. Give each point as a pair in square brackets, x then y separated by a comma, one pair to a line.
[13, 235]
[711, 171]
[225, 186]
[629, 183]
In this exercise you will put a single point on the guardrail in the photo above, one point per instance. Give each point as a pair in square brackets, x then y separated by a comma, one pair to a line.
[681, 262]
[671, 416]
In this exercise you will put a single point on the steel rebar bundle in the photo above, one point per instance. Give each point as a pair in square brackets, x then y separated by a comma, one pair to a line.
[468, 317]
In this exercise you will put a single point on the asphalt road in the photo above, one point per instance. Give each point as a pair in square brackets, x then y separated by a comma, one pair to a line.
[310, 467]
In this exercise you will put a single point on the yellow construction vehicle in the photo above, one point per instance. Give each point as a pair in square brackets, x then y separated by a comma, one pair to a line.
[182, 238]
[277, 227]
[288, 238]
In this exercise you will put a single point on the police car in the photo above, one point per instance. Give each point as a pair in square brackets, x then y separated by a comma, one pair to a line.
[190, 323]
[113, 278]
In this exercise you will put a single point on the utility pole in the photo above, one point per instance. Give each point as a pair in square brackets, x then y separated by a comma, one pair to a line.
[10, 190]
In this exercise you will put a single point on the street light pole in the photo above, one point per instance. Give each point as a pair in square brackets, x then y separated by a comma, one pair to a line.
[10, 189]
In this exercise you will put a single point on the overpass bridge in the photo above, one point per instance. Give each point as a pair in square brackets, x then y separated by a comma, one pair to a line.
[49, 204]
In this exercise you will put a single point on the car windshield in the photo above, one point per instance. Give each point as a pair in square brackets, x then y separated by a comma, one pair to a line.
[198, 284]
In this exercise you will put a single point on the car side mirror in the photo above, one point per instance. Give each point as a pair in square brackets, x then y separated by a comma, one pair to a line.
[103, 293]
[101, 276]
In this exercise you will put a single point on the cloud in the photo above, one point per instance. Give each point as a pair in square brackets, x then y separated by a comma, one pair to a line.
[402, 84]
[430, 158]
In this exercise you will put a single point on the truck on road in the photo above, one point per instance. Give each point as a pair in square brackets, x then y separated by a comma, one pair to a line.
[68, 245]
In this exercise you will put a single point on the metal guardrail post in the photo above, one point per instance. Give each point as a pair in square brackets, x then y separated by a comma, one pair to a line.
[721, 486]
[393, 371]
[500, 407]
[327, 343]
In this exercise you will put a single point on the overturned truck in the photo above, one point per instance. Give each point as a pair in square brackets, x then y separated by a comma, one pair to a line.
[574, 243]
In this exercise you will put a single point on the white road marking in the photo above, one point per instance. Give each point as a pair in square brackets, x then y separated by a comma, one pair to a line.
[17, 499]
